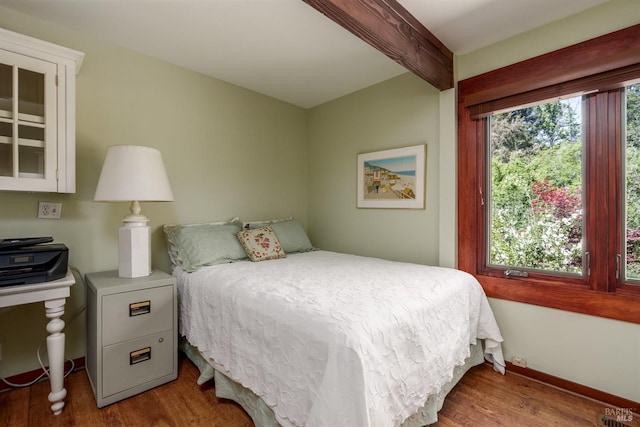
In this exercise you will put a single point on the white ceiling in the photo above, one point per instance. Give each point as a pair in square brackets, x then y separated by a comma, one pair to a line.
[284, 48]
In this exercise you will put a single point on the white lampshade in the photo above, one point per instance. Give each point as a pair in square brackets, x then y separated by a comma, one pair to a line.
[132, 173]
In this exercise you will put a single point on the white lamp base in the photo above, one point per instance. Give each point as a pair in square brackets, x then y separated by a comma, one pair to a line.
[134, 255]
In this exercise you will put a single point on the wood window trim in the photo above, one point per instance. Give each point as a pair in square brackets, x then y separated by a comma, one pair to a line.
[566, 70]
[607, 53]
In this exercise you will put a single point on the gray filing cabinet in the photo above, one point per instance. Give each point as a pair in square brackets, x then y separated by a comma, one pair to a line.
[131, 334]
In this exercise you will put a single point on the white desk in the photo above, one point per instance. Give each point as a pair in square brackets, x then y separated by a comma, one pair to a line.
[53, 294]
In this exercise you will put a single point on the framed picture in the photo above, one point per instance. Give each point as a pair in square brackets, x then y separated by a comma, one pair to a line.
[392, 178]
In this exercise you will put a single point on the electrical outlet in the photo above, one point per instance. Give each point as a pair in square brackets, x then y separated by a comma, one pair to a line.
[49, 210]
[519, 361]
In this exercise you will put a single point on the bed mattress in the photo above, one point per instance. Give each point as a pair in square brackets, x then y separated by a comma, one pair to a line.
[263, 416]
[334, 339]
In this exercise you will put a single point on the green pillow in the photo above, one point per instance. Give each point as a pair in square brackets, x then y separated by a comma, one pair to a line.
[194, 246]
[290, 234]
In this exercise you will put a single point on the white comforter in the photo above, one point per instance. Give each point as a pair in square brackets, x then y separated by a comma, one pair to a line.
[329, 339]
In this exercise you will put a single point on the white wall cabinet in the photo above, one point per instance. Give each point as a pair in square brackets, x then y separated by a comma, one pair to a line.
[37, 114]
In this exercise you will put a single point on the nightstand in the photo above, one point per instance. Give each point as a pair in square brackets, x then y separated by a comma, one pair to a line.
[131, 335]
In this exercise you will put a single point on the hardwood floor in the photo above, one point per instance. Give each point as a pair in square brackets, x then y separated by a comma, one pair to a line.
[482, 398]
[485, 398]
[178, 403]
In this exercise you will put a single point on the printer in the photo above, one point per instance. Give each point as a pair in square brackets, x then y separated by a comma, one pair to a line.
[31, 260]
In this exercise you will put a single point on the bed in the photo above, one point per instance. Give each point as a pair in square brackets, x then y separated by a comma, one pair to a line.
[316, 338]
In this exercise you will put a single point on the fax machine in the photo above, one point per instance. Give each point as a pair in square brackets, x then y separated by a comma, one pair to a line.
[29, 260]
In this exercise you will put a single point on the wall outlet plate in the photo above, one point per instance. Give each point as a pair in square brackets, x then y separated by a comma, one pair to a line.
[49, 210]
[519, 361]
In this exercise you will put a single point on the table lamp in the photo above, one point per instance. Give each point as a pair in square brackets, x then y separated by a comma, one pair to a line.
[132, 173]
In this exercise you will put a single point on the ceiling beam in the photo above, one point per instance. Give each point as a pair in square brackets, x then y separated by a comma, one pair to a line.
[391, 29]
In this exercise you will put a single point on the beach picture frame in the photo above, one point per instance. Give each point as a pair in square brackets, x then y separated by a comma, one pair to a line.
[392, 178]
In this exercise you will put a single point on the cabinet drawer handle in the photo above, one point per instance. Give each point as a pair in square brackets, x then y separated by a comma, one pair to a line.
[139, 308]
[141, 355]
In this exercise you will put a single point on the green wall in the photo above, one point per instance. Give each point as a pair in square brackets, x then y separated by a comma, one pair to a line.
[228, 152]
[400, 112]
[217, 141]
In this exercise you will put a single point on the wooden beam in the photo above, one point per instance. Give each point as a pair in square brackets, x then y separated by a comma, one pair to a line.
[391, 29]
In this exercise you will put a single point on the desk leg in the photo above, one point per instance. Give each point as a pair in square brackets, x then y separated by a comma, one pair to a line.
[55, 349]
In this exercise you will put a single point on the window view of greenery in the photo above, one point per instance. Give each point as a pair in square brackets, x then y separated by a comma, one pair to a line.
[632, 155]
[536, 188]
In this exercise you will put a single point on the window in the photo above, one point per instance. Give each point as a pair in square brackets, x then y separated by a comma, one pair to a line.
[549, 178]
[534, 189]
[631, 234]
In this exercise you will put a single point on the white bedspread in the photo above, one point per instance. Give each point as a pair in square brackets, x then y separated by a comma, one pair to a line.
[329, 339]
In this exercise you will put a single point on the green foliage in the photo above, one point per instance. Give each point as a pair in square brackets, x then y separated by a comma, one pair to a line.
[536, 185]
[535, 169]
[633, 180]
[633, 116]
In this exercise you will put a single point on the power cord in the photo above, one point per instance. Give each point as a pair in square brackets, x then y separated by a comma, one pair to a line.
[45, 371]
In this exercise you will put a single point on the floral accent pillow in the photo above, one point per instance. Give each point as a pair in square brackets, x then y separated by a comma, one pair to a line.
[261, 244]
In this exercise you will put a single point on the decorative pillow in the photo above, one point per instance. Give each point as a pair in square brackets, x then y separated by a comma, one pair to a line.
[261, 244]
[291, 235]
[193, 246]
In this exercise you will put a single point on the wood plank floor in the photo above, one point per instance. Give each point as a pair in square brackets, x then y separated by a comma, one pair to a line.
[482, 398]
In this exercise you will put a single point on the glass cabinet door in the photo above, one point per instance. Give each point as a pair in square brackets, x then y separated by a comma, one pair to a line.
[27, 122]
[6, 116]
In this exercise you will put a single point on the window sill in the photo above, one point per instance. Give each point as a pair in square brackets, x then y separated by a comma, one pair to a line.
[623, 305]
